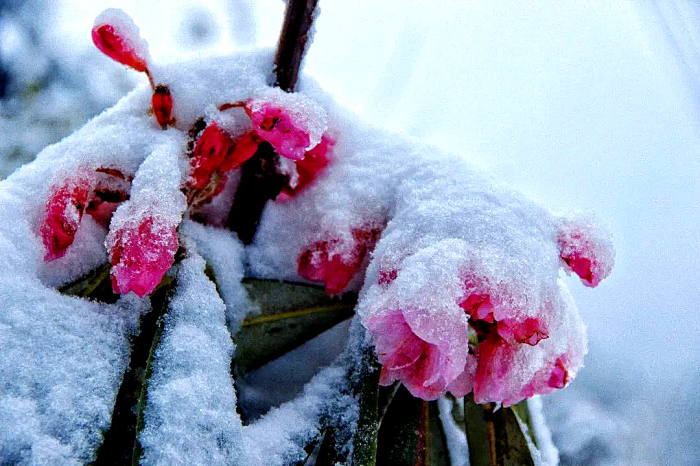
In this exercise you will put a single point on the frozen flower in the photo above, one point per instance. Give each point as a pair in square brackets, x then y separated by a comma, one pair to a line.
[426, 365]
[335, 262]
[242, 148]
[141, 255]
[276, 126]
[162, 103]
[212, 148]
[585, 249]
[308, 168]
[116, 35]
[64, 211]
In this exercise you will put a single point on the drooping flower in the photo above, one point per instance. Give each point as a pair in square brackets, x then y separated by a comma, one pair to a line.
[162, 103]
[276, 126]
[116, 35]
[212, 148]
[242, 148]
[585, 249]
[427, 368]
[308, 168]
[335, 262]
[64, 211]
[141, 254]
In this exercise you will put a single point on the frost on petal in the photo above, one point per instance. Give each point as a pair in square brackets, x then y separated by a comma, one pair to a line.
[64, 211]
[116, 35]
[586, 249]
[424, 368]
[289, 122]
[111, 189]
[335, 262]
[212, 148]
[313, 163]
[141, 254]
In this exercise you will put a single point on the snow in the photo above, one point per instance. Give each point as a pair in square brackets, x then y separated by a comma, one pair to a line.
[190, 415]
[455, 436]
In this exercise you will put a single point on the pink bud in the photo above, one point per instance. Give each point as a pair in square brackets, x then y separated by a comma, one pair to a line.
[242, 148]
[212, 147]
[313, 163]
[585, 249]
[334, 262]
[274, 125]
[162, 103]
[64, 211]
[116, 35]
[141, 255]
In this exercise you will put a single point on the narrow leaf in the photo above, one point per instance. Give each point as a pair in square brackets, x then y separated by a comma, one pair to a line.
[398, 433]
[96, 285]
[366, 391]
[495, 436]
[290, 315]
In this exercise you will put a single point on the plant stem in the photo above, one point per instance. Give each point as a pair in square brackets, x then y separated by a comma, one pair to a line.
[260, 179]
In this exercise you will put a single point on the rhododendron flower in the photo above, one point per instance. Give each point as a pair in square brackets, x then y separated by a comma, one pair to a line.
[585, 249]
[335, 262]
[140, 255]
[274, 125]
[64, 211]
[212, 148]
[242, 148]
[162, 103]
[427, 368]
[96, 193]
[308, 168]
[116, 35]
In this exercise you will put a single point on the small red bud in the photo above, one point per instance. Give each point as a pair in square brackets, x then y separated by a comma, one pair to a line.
[162, 102]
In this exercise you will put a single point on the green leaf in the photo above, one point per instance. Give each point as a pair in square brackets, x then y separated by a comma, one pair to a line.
[366, 391]
[93, 285]
[290, 315]
[495, 436]
[120, 445]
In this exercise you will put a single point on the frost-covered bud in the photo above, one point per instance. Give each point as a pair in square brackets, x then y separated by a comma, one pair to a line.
[335, 262]
[116, 35]
[427, 367]
[140, 255]
[64, 211]
[242, 148]
[313, 163]
[212, 148]
[162, 103]
[585, 249]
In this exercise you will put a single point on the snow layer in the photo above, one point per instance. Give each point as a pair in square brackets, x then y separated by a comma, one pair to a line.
[190, 415]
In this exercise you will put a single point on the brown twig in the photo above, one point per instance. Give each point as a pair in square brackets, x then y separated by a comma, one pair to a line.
[260, 179]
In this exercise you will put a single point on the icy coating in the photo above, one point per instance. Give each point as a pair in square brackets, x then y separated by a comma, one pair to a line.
[443, 255]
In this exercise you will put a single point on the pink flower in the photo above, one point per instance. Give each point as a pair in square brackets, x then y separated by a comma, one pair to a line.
[64, 211]
[585, 249]
[242, 148]
[426, 366]
[274, 125]
[141, 255]
[334, 262]
[212, 148]
[116, 35]
[313, 163]
[162, 103]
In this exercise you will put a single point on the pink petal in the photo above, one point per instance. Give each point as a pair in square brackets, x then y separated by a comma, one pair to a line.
[313, 163]
[64, 211]
[277, 127]
[586, 250]
[212, 147]
[121, 43]
[141, 256]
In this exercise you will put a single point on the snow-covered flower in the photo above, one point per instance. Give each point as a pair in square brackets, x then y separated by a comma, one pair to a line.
[64, 211]
[141, 254]
[335, 262]
[308, 168]
[116, 35]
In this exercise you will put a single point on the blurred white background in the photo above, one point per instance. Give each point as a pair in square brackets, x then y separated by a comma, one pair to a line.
[581, 105]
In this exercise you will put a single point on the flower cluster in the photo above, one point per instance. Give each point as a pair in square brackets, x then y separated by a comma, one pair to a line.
[494, 339]
[143, 243]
